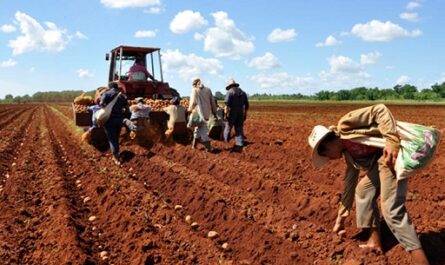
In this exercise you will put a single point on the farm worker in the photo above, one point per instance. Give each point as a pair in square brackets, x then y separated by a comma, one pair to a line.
[201, 106]
[114, 123]
[139, 123]
[236, 108]
[93, 108]
[335, 143]
[177, 117]
[138, 72]
[140, 113]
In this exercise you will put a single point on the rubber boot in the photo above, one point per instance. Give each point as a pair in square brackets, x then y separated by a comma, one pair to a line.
[208, 146]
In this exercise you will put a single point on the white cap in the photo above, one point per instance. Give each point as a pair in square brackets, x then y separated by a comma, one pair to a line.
[317, 135]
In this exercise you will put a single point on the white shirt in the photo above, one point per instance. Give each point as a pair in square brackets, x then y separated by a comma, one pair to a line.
[201, 100]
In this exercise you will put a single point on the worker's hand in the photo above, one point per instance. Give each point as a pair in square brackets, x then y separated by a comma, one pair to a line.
[390, 155]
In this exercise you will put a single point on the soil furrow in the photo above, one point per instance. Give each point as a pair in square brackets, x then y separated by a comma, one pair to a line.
[212, 203]
[133, 223]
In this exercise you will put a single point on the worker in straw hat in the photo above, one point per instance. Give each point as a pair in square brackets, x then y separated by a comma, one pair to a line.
[341, 141]
[201, 105]
[237, 105]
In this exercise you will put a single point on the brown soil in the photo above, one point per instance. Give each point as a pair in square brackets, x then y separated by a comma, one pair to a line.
[267, 202]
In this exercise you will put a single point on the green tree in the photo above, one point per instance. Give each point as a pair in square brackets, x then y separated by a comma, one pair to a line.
[219, 95]
[408, 91]
[439, 89]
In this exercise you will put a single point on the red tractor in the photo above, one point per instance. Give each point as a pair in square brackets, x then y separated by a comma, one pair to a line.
[154, 91]
[123, 57]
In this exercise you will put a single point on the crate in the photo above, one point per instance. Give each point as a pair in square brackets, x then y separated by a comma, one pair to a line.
[82, 118]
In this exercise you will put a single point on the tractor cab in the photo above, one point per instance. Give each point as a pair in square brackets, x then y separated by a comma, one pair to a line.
[122, 58]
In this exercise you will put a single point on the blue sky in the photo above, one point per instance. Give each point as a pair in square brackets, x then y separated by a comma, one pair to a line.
[267, 46]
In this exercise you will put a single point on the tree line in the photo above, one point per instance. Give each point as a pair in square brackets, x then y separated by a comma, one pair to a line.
[50, 96]
[399, 92]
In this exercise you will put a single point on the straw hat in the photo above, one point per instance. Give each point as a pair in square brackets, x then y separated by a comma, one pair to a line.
[315, 138]
[139, 100]
[231, 83]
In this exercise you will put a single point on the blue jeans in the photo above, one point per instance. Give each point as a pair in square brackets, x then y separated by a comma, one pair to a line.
[113, 130]
[235, 120]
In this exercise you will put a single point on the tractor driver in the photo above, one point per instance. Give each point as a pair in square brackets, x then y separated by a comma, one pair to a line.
[138, 72]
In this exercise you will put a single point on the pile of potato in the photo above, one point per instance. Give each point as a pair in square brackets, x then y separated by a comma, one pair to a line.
[160, 104]
[82, 102]
[80, 108]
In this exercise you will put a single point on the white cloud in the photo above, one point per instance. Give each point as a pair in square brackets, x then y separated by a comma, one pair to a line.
[283, 82]
[343, 64]
[186, 21]
[6, 28]
[403, 80]
[412, 5]
[280, 35]
[376, 30]
[129, 3]
[198, 36]
[36, 38]
[226, 40]
[154, 10]
[390, 67]
[84, 73]
[343, 80]
[344, 73]
[188, 66]
[370, 58]
[32, 69]
[8, 63]
[412, 17]
[330, 41]
[145, 34]
[80, 35]
[267, 61]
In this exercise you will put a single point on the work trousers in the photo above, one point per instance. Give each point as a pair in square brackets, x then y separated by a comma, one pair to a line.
[381, 180]
[113, 130]
[201, 132]
[235, 120]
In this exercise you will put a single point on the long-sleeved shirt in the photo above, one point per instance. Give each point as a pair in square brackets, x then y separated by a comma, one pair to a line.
[236, 100]
[93, 109]
[137, 68]
[120, 109]
[140, 111]
[375, 121]
[201, 101]
[176, 114]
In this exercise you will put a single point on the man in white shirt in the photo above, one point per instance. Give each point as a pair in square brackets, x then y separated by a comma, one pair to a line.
[201, 106]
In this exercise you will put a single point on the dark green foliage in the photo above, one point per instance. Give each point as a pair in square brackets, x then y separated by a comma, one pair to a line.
[399, 92]
[50, 96]
[219, 95]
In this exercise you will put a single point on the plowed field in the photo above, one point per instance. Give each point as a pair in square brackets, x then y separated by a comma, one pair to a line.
[63, 202]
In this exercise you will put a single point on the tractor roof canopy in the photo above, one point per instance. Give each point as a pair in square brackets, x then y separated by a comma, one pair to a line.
[134, 51]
